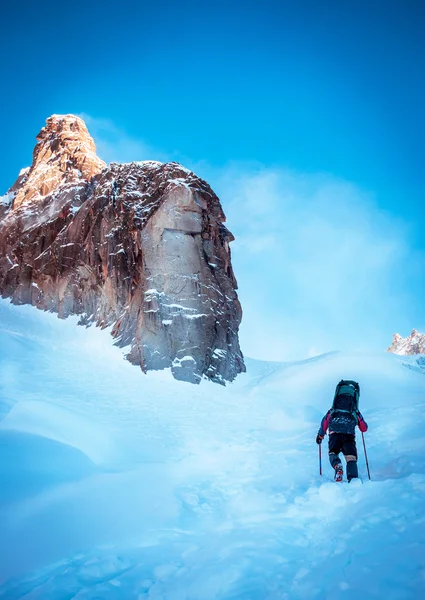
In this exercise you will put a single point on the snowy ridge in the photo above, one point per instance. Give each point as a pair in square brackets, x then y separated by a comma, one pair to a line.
[119, 489]
[415, 364]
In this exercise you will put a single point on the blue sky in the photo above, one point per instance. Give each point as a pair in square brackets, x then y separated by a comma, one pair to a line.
[307, 118]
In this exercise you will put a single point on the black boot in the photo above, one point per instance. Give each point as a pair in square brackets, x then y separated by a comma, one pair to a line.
[334, 459]
[352, 471]
[337, 465]
[339, 472]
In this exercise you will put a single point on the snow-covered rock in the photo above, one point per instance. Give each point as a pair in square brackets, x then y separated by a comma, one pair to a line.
[140, 248]
[413, 344]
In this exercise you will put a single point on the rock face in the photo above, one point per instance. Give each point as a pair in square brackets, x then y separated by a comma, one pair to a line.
[414, 344]
[140, 247]
[65, 154]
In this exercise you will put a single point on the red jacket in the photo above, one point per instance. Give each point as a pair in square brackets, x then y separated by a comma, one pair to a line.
[325, 423]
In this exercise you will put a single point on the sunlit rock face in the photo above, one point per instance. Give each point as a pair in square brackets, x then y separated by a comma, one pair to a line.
[413, 344]
[65, 154]
[138, 247]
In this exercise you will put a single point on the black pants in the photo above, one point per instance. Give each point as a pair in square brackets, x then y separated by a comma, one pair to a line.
[345, 443]
[342, 442]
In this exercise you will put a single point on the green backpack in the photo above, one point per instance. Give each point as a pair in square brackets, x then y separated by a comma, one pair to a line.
[346, 399]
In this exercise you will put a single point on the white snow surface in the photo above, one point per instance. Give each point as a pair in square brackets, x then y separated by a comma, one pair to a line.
[117, 485]
[7, 199]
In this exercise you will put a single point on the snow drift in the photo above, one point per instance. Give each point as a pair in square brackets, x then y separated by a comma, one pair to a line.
[112, 487]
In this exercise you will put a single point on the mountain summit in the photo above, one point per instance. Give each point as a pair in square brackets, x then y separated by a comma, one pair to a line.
[413, 344]
[65, 154]
[140, 248]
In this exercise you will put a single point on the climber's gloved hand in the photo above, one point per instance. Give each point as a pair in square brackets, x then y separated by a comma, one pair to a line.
[319, 438]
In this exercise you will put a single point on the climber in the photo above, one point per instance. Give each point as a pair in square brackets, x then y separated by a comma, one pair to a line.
[341, 420]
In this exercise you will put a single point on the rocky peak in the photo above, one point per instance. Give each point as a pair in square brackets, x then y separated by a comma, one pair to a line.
[413, 344]
[65, 154]
[140, 248]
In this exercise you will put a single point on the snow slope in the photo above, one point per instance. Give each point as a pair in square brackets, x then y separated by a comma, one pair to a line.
[118, 485]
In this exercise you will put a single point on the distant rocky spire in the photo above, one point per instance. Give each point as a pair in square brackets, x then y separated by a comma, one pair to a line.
[413, 344]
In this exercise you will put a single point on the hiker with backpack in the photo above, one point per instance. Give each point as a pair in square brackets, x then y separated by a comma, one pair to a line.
[341, 420]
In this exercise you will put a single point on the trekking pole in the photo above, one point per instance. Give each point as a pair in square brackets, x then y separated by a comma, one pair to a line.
[320, 458]
[365, 454]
